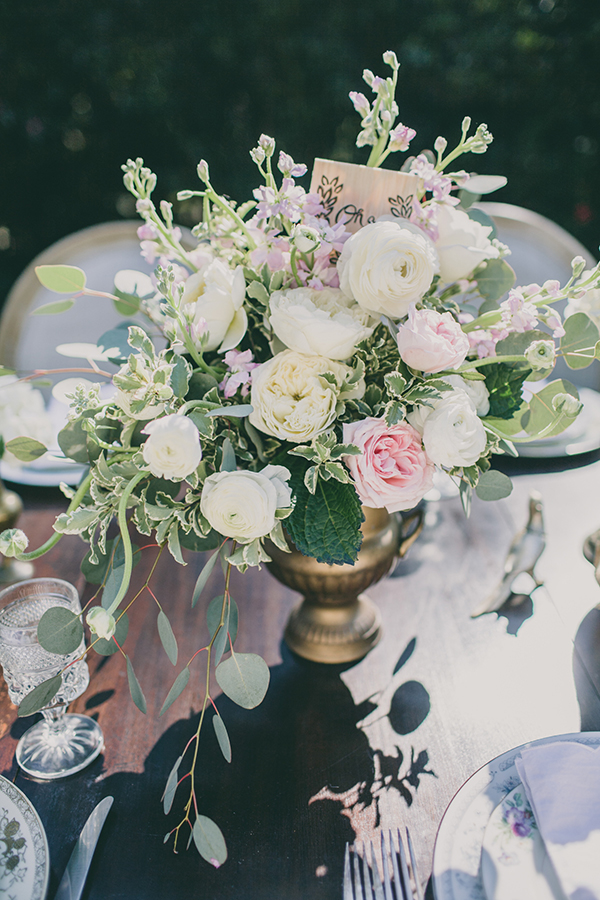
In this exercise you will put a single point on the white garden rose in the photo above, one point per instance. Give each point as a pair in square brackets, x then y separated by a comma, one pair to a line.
[386, 266]
[292, 401]
[172, 449]
[475, 390]
[462, 243]
[319, 323]
[453, 434]
[243, 505]
[213, 299]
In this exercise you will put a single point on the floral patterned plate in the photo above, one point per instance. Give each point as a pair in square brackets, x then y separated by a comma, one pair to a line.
[514, 861]
[24, 856]
[458, 847]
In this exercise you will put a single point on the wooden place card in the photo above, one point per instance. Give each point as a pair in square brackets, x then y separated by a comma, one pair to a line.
[358, 195]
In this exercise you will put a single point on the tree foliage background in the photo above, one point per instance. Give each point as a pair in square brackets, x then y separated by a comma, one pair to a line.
[84, 85]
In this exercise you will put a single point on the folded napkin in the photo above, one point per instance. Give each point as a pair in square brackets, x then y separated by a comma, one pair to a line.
[562, 783]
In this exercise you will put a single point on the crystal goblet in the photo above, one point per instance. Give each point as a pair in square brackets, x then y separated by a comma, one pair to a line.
[61, 743]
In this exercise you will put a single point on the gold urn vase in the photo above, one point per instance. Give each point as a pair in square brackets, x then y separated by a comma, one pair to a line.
[335, 622]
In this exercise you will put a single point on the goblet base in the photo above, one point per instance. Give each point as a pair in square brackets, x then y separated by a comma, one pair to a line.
[55, 749]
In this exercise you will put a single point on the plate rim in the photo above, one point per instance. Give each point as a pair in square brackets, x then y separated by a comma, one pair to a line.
[41, 878]
[470, 790]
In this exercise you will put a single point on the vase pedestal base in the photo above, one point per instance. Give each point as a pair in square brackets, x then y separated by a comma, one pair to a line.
[333, 634]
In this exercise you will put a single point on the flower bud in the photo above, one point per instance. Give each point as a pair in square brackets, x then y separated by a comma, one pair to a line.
[101, 623]
[13, 542]
[566, 404]
[166, 209]
[578, 265]
[151, 182]
[305, 238]
[185, 195]
[267, 144]
[143, 206]
[368, 77]
[360, 103]
[390, 59]
[541, 354]
[440, 144]
[203, 171]
[258, 155]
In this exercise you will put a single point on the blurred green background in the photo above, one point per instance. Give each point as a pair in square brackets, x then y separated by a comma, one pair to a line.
[84, 85]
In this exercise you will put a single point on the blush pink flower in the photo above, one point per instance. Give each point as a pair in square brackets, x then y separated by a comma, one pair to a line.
[392, 469]
[431, 341]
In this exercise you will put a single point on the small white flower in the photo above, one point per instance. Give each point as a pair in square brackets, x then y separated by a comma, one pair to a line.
[243, 505]
[172, 449]
[462, 243]
[305, 238]
[453, 434]
[101, 623]
[541, 354]
[476, 391]
[566, 404]
[13, 542]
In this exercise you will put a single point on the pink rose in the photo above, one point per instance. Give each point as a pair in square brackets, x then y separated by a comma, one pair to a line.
[393, 469]
[431, 341]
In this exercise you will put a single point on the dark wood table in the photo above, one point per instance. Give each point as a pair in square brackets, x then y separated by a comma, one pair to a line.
[333, 754]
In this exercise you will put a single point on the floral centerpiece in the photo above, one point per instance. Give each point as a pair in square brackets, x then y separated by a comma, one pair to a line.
[294, 367]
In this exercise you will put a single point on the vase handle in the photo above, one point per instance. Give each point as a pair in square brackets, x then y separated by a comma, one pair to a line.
[411, 527]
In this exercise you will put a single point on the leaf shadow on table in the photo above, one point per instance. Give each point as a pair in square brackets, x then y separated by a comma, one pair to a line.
[278, 802]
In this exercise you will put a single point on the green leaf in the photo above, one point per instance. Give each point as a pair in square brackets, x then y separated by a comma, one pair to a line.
[26, 449]
[478, 215]
[180, 376]
[213, 617]
[171, 787]
[466, 493]
[494, 278]
[40, 696]
[493, 485]
[167, 637]
[203, 577]
[60, 630]
[130, 287]
[258, 291]
[325, 524]
[107, 648]
[6, 371]
[244, 677]
[579, 341]
[505, 387]
[77, 444]
[209, 840]
[61, 279]
[52, 309]
[197, 543]
[113, 584]
[228, 461]
[541, 411]
[222, 737]
[240, 411]
[137, 695]
[178, 686]
[395, 383]
[115, 343]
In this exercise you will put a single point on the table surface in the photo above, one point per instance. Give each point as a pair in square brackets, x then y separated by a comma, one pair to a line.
[333, 754]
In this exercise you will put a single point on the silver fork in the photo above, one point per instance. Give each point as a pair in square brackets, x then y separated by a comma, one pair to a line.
[395, 886]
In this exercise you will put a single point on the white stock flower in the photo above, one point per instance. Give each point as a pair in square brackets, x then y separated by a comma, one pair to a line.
[319, 323]
[101, 623]
[291, 401]
[462, 243]
[242, 505]
[453, 434]
[386, 266]
[213, 299]
[476, 391]
[172, 449]
[588, 302]
[13, 542]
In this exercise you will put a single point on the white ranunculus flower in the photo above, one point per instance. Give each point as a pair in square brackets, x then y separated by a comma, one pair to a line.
[453, 434]
[101, 623]
[462, 243]
[291, 401]
[242, 505]
[172, 449]
[475, 390]
[213, 298]
[319, 323]
[386, 266]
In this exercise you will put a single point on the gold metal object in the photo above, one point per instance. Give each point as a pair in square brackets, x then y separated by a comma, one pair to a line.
[11, 507]
[336, 622]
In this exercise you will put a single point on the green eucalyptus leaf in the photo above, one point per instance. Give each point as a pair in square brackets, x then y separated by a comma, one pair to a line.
[40, 696]
[137, 694]
[213, 616]
[25, 448]
[233, 412]
[466, 494]
[60, 630]
[61, 279]
[478, 215]
[167, 637]
[113, 584]
[77, 444]
[541, 412]
[578, 343]
[209, 840]
[115, 343]
[494, 278]
[222, 737]
[171, 787]
[244, 677]
[228, 460]
[197, 543]
[203, 577]
[54, 308]
[107, 648]
[177, 688]
[493, 485]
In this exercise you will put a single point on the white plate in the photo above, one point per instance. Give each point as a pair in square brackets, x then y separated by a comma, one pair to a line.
[580, 437]
[514, 861]
[457, 854]
[24, 855]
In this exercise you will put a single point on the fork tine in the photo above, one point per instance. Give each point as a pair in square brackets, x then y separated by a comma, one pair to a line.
[370, 894]
[405, 877]
[348, 892]
[397, 879]
[414, 866]
[377, 885]
[387, 885]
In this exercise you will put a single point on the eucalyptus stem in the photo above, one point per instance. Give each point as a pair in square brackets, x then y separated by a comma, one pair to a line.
[77, 498]
[127, 551]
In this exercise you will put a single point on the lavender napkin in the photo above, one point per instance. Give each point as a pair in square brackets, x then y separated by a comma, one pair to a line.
[562, 783]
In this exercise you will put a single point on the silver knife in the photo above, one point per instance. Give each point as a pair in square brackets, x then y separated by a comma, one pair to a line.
[73, 880]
